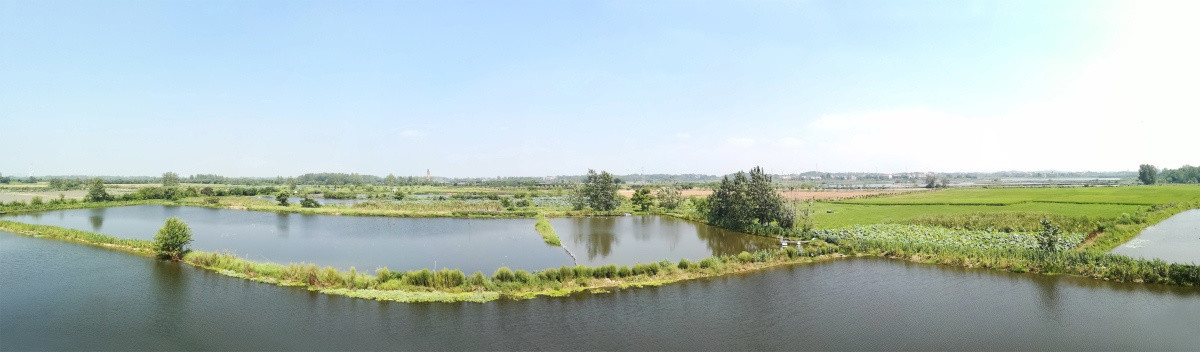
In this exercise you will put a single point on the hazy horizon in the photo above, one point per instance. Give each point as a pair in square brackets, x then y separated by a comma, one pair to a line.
[480, 89]
[584, 173]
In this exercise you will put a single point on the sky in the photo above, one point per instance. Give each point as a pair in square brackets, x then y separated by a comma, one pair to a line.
[534, 88]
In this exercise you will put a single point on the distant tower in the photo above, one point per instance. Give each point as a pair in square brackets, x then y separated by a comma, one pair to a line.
[427, 174]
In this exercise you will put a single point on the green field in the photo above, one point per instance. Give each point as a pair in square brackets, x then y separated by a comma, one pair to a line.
[1081, 209]
[860, 214]
[1133, 195]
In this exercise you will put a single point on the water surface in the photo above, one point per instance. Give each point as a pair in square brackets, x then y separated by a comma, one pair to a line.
[59, 295]
[367, 243]
[1176, 239]
[640, 239]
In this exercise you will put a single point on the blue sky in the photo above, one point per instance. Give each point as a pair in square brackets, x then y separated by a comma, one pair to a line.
[486, 88]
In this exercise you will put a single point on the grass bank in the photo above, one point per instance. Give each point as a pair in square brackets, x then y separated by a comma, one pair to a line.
[448, 285]
[543, 227]
[139, 247]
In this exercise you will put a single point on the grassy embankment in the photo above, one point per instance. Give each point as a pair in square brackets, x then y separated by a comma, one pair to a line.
[978, 249]
[450, 285]
[543, 227]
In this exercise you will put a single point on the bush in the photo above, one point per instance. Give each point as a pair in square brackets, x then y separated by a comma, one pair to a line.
[745, 257]
[309, 203]
[684, 264]
[447, 278]
[422, 277]
[504, 274]
[477, 279]
[172, 239]
[522, 276]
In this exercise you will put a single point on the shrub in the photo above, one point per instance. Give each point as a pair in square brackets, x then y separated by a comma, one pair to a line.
[477, 279]
[745, 257]
[522, 276]
[684, 264]
[172, 239]
[447, 278]
[422, 277]
[308, 202]
[504, 274]
[383, 274]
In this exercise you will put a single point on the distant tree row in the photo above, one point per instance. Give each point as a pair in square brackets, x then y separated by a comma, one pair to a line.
[1148, 174]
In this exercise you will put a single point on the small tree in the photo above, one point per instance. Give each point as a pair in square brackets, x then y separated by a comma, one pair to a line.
[308, 202]
[599, 191]
[172, 239]
[170, 179]
[669, 197]
[930, 181]
[96, 192]
[208, 191]
[282, 198]
[642, 199]
[1048, 239]
[1148, 174]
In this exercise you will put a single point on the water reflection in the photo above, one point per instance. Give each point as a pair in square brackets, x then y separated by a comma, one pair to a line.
[598, 235]
[1048, 292]
[96, 218]
[639, 239]
[282, 224]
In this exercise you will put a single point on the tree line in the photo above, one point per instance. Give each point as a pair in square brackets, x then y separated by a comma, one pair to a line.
[1149, 174]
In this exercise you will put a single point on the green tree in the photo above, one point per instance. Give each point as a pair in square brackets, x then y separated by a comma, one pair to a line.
[291, 183]
[170, 179]
[172, 239]
[282, 198]
[642, 199]
[745, 201]
[669, 197]
[1048, 239]
[308, 202]
[96, 192]
[1148, 174]
[599, 191]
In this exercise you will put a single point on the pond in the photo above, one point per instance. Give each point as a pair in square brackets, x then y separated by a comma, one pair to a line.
[1176, 239]
[64, 296]
[633, 239]
[367, 243]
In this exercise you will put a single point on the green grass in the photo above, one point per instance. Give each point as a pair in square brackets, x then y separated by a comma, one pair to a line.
[543, 227]
[1134, 195]
[860, 214]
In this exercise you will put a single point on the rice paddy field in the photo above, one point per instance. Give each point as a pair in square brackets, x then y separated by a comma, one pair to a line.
[1019, 208]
